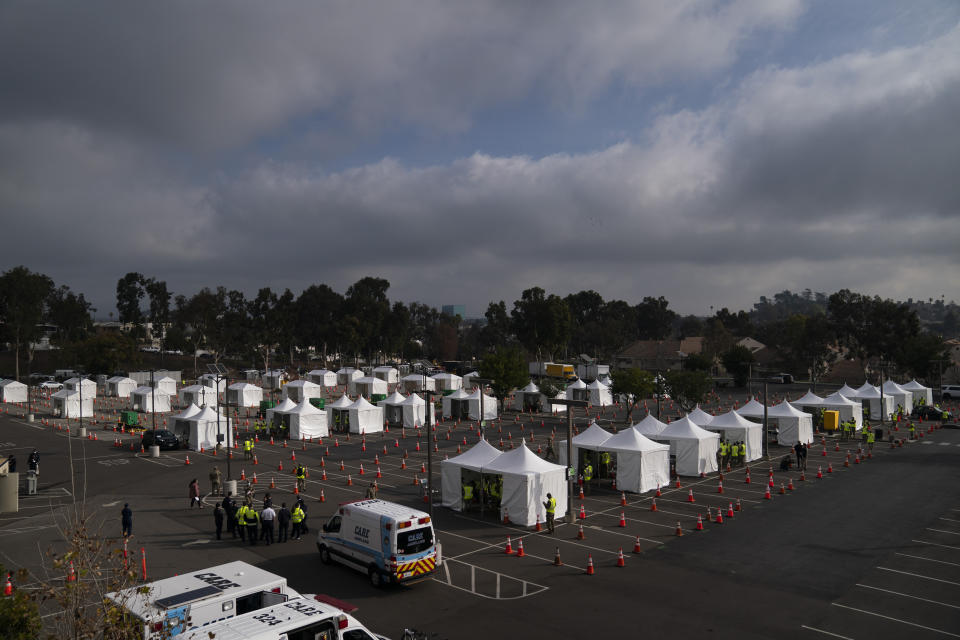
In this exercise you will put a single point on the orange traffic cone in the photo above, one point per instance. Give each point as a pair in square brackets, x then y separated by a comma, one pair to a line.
[819, 473]
[557, 562]
[623, 520]
[280, 466]
[8, 588]
[636, 546]
[506, 516]
[830, 468]
[243, 474]
[254, 479]
[653, 505]
[349, 480]
[581, 492]
[361, 468]
[730, 511]
[790, 484]
[623, 498]
[679, 529]
[71, 574]
[719, 519]
[255, 461]
[621, 561]
[583, 512]
[580, 535]
[690, 496]
[783, 489]
[323, 498]
[538, 527]
[520, 552]
[766, 494]
[720, 486]
[657, 494]
[323, 474]
[509, 548]
[739, 507]
[273, 485]
[699, 526]
[589, 564]
[746, 479]
[187, 461]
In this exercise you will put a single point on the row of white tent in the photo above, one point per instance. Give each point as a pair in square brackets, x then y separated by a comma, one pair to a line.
[596, 393]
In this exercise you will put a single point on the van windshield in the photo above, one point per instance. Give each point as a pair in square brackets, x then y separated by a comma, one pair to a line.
[414, 541]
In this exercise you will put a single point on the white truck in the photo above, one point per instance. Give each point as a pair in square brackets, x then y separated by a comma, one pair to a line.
[173, 606]
[389, 542]
[295, 619]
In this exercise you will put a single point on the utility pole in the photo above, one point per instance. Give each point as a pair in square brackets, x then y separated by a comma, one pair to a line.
[570, 404]
[428, 396]
[481, 383]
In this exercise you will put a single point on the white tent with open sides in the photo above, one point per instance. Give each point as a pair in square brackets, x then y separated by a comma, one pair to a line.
[468, 379]
[74, 384]
[808, 400]
[68, 404]
[527, 479]
[346, 375]
[306, 421]
[13, 391]
[642, 464]
[120, 386]
[752, 409]
[869, 396]
[244, 394]
[455, 405]
[848, 408]
[198, 394]
[338, 414]
[368, 386]
[489, 406]
[303, 389]
[793, 425]
[178, 423]
[365, 417]
[414, 409]
[448, 381]
[418, 382]
[148, 400]
[590, 439]
[323, 377]
[204, 430]
[919, 392]
[598, 394]
[736, 428]
[529, 398]
[388, 374]
[902, 397]
[695, 449]
[275, 414]
[210, 380]
[452, 475]
[392, 411]
[577, 390]
[166, 384]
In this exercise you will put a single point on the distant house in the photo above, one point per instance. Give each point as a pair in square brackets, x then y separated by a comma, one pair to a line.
[658, 355]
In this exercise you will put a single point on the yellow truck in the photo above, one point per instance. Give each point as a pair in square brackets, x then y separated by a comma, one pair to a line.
[562, 371]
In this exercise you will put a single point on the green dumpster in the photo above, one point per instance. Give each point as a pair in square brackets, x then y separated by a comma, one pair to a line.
[447, 392]
[318, 402]
[264, 405]
[377, 397]
[129, 418]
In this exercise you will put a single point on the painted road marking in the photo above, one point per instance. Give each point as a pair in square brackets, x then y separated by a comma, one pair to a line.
[935, 544]
[907, 595]
[826, 633]
[907, 622]
[953, 533]
[918, 575]
[502, 584]
[955, 564]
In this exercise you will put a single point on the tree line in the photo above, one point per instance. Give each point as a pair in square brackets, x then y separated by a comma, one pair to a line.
[807, 330]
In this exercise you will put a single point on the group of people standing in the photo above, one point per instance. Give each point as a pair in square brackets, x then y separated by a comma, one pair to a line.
[250, 525]
[731, 453]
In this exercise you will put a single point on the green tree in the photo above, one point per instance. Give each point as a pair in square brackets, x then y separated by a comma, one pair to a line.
[318, 310]
[107, 352]
[698, 362]
[498, 331]
[23, 295]
[366, 301]
[200, 315]
[541, 321]
[807, 344]
[920, 353]
[70, 314]
[654, 318]
[737, 360]
[507, 368]
[688, 388]
[635, 385]
[130, 292]
[19, 614]
[159, 310]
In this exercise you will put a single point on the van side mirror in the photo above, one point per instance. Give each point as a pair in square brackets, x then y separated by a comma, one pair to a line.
[326, 527]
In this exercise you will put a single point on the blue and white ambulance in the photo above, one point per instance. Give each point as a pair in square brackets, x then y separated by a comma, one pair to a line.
[389, 542]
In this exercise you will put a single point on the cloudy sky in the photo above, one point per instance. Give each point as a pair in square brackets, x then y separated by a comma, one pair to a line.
[707, 151]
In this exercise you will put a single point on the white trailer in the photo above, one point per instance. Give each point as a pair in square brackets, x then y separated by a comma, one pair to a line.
[176, 605]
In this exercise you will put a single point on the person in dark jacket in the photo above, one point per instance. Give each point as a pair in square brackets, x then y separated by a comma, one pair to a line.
[230, 510]
[218, 518]
[126, 521]
[283, 522]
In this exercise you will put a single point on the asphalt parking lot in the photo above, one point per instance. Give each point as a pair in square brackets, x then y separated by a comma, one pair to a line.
[870, 550]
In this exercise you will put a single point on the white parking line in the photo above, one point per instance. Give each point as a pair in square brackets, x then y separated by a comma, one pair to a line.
[919, 575]
[955, 564]
[935, 544]
[949, 519]
[953, 533]
[907, 622]
[826, 633]
[907, 595]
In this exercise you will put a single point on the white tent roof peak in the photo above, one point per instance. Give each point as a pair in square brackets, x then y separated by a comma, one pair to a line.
[632, 440]
[415, 400]
[650, 426]
[699, 416]
[913, 385]
[306, 408]
[342, 402]
[285, 405]
[592, 436]
[596, 384]
[809, 399]
[847, 390]
[205, 414]
[752, 408]
[839, 398]
[868, 391]
[732, 419]
[187, 413]
[685, 428]
[393, 398]
[866, 387]
[361, 404]
[785, 409]
[459, 394]
[892, 387]
[521, 460]
[477, 456]
[577, 384]
[530, 388]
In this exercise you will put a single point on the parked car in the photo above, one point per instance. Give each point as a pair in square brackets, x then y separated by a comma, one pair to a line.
[950, 391]
[929, 412]
[162, 438]
[51, 385]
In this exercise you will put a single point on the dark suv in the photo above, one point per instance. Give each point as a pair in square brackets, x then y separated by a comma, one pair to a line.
[162, 438]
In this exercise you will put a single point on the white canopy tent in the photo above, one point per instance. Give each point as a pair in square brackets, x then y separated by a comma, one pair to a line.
[120, 386]
[418, 382]
[306, 421]
[847, 390]
[89, 386]
[199, 395]
[695, 449]
[489, 406]
[13, 391]
[166, 384]
[650, 427]
[793, 425]
[149, 400]
[338, 414]
[448, 381]
[849, 409]
[68, 404]
[529, 398]
[557, 408]
[468, 379]
[273, 380]
[204, 431]
[901, 396]
[244, 394]
[414, 410]
[919, 392]
[451, 472]
[303, 389]
[809, 399]
[392, 411]
[455, 405]
[700, 417]
[642, 464]
[365, 417]
[179, 424]
[323, 377]
[590, 439]
[878, 407]
[368, 386]
[752, 409]
[866, 387]
[577, 390]
[275, 414]
[387, 374]
[527, 479]
[598, 394]
[210, 380]
[346, 375]
[736, 428]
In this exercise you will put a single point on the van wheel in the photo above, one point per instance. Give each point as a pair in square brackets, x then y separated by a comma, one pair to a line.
[324, 555]
[376, 579]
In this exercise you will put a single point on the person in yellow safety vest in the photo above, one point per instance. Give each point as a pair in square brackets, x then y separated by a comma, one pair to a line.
[296, 517]
[944, 416]
[551, 506]
[871, 438]
[587, 476]
[467, 495]
[720, 450]
[253, 519]
[912, 431]
[301, 478]
[248, 449]
[242, 521]
[741, 454]
[605, 464]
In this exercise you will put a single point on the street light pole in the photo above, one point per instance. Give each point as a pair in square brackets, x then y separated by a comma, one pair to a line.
[428, 395]
[481, 383]
[570, 404]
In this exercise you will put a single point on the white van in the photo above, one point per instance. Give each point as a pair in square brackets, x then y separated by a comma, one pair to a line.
[295, 619]
[387, 541]
[172, 606]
